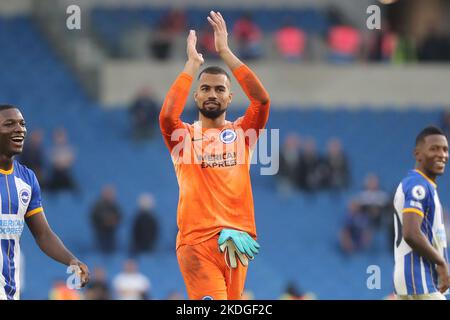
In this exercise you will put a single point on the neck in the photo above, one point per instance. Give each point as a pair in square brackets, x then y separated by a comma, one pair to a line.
[211, 123]
[5, 162]
[427, 173]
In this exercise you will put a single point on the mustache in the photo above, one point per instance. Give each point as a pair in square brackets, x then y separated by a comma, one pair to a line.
[217, 103]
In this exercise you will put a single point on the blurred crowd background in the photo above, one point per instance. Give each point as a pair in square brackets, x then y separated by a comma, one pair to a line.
[348, 102]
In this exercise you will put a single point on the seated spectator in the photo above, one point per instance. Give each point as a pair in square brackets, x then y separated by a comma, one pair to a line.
[248, 37]
[161, 43]
[312, 167]
[62, 159]
[97, 288]
[33, 156]
[175, 21]
[435, 46]
[382, 43]
[405, 50]
[292, 292]
[290, 157]
[291, 42]
[337, 175]
[145, 226]
[344, 43]
[106, 215]
[374, 202]
[356, 233]
[130, 284]
[144, 112]
[206, 43]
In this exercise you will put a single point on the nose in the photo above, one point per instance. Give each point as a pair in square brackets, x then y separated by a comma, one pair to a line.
[212, 95]
[20, 129]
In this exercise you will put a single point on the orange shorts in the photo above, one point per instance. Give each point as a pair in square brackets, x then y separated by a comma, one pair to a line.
[206, 273]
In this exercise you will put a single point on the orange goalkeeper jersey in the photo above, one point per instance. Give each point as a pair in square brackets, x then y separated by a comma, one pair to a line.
[213, 165]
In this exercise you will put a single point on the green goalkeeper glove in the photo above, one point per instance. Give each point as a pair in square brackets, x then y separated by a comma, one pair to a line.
[238, 243]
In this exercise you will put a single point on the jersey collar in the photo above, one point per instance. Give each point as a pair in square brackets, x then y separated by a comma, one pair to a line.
[426, 177]
[9, 171]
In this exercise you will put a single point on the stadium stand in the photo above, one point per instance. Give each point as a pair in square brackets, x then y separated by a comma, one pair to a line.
[40, 83]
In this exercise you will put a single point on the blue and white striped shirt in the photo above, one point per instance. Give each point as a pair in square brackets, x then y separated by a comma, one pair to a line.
[414, 274]
[20, 198]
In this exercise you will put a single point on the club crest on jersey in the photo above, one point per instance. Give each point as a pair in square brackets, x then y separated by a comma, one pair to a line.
[418, 192]
[228, 136]
[207, 298]
[24, 196]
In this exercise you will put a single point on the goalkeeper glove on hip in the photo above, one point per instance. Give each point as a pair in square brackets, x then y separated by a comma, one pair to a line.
[237, 243]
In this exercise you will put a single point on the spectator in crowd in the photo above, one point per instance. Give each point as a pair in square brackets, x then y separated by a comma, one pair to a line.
[292, 292]
[356, 233]
[248, 37]
[144, 112]
[382, 43]
[60, 291]
[405, 49]
[374, 202]
[98, 288]
[289, 166]
[130, 284]
[161, 43]
[206, 43]
[33, 156]
[290, 42]
[337, 174]
[344, 43]
[145, 226]
[62, 159]
[175, 21]
[435, 46]
[105, 218]
[312, 167]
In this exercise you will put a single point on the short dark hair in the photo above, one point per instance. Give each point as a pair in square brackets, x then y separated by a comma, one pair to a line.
[428, 131]
[7, 106]
[214, 70]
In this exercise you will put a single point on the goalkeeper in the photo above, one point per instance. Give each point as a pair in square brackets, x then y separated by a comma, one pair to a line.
[211, 157]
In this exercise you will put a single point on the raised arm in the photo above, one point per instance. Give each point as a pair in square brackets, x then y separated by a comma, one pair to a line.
[221, 41]
[258, 111]
[169, 117]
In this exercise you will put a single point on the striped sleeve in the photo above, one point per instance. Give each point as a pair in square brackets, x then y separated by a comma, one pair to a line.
[416, 198]
[35, 205]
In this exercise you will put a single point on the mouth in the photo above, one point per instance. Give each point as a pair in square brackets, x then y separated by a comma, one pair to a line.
[18, 140]
[211, 104]
[440, 164]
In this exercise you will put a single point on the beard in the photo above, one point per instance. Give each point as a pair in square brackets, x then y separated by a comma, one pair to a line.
[212, 114]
